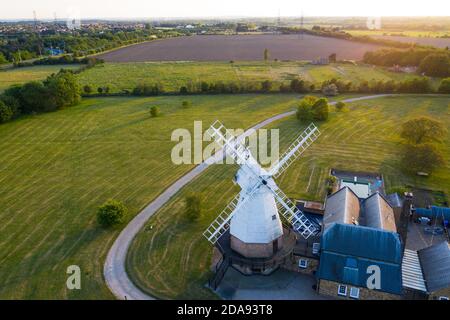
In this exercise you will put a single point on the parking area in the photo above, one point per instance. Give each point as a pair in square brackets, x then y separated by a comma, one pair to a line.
[281, 285]
[418, 238]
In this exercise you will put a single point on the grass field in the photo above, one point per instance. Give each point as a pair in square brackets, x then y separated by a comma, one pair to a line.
[57, 168]
[10, 77]
[173, 75]
[170, 258]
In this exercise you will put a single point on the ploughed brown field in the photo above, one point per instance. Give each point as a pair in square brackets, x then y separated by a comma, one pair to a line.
[239, 47]
[426, 41]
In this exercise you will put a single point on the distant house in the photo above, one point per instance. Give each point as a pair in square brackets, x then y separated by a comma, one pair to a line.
[359, 234]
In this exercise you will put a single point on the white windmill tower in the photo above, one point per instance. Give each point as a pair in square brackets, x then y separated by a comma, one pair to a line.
[253, 216]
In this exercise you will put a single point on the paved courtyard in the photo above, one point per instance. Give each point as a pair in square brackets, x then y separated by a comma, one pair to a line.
[281, 285]
[419, 239]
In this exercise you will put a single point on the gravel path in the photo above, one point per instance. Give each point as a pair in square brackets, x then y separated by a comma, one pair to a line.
[114, 271]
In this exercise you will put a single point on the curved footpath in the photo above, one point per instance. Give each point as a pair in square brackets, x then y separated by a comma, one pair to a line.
[114, 271]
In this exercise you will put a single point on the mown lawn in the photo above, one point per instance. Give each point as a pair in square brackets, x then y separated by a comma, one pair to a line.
[10, 77]
[57, 168]
[170, 258]
[173, 75]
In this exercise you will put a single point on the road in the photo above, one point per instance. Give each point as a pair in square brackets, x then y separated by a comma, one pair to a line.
[114, 271]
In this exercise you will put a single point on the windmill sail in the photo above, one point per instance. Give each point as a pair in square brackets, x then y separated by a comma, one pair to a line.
[303, 141]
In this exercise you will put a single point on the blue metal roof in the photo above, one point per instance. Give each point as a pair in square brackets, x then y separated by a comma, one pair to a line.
[440, 212]
[348, 250]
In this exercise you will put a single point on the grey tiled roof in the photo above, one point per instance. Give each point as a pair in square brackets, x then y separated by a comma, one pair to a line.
[435, 262]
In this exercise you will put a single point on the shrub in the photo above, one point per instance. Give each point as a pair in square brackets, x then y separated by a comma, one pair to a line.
[330, 90]
[5, 112]
[304, 108]
[444, 87]
[87, 89]
[266, 86]
[186, 104]
[111, 213]
[320, 110]
[340, 106]
[154, 111]
[183, 90]
[436, 65]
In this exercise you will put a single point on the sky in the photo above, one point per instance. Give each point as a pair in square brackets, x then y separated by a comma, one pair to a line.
[46, 9]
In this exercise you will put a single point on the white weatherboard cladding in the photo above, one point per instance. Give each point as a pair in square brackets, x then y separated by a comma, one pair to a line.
[254, 222]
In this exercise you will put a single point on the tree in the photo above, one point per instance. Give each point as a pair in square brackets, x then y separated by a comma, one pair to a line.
[100, 90]
[3, 60]
[87, 89]
[266, 86]
[111, 213]
[266, 54]
[436, 65]
[421, 158]
[299, 85]
[330, 90]
[422, 130]
[64, 89]
[320, 110]
[304, 108]
[193, 207]
[5, 112]
[340, 106]
[444, 87]
[154, 111]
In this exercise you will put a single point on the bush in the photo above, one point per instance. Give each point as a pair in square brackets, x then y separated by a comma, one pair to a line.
[330, 90]
[193, 207]
[340, 106]
[266, 86]
[87, 89]
[436, 65]
[5, 112]
[154, 111]
[320, 110]
[444, 87]
[304, 109]
[186, 104]
[111, 213]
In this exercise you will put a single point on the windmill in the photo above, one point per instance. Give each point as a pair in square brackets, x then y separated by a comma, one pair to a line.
[253, 216]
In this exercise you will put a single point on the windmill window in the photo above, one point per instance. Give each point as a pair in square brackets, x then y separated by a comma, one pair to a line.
[303, 263]
[274, 217]
[354, 293]
[342, 290]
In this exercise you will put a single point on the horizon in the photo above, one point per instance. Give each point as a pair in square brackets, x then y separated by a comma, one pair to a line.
[203, 9]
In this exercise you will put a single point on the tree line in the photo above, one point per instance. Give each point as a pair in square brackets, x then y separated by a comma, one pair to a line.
[56, 92]
[431, 62]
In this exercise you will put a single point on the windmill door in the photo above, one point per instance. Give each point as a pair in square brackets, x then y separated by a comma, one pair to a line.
[275, 246]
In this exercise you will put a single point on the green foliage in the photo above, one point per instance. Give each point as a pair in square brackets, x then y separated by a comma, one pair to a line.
[57, 91]
[424, 157]
[64, 89]
[299, 86]
[436, 65]
[444, 87]
[5, 112]
[304, 108]
[111, 213]
[3, 59]
[398, 189]
[186, 104]
[145, 89]
[423, 130]
[330, 90]
[193, 208]
[87, 89]
[340, 106]
[154, 111]
[320, 110]
[266, 86]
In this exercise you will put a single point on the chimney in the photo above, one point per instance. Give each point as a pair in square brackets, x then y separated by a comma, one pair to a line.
[405, 217]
